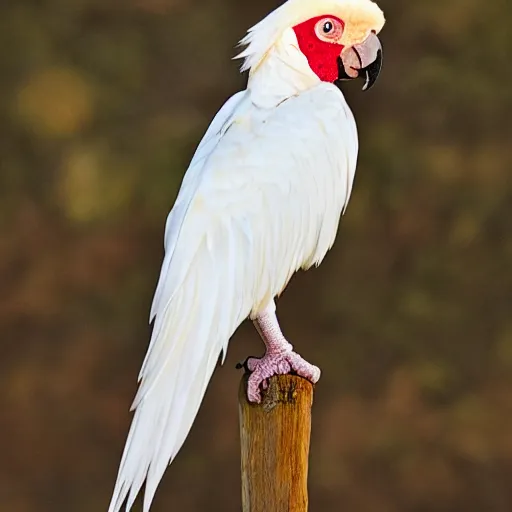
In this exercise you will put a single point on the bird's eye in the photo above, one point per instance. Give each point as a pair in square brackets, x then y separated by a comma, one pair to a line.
[329, 29]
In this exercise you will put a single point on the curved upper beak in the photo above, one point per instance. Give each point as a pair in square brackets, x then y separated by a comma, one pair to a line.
[362, 60]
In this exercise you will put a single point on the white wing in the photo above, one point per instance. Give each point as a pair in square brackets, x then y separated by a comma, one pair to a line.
[191, 181]
[260, 200]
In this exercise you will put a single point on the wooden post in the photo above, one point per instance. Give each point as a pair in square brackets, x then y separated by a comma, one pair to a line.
[275, 446]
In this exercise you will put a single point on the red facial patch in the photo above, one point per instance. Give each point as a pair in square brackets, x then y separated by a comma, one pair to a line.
[322, 55]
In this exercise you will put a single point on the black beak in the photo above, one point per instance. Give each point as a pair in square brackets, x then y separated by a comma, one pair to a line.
[361, 61]
[371, 72]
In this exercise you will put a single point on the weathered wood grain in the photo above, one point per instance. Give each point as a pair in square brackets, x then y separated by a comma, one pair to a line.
[275, 439]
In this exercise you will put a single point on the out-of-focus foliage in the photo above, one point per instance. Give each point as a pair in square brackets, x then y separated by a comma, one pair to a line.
[103, 102]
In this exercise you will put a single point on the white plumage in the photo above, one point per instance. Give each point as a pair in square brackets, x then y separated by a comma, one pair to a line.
[261, 199]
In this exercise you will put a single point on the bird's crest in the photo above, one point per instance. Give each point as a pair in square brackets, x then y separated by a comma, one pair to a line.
[359, 16]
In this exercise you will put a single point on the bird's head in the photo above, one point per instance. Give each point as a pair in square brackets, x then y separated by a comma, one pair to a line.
[337, 38]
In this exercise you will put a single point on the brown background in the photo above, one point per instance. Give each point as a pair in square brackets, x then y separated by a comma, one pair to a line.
[102, 104]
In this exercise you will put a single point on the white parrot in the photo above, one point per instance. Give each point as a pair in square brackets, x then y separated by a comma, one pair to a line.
[261, 199]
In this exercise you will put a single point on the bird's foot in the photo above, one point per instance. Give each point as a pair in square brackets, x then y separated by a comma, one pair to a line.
[276, 363]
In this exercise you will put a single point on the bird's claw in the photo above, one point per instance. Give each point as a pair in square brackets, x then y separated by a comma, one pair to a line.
[261, 369]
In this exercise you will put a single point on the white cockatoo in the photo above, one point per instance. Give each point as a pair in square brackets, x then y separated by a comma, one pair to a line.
[261, 199]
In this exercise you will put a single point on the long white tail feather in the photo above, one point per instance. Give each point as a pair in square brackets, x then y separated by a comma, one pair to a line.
[191, 334]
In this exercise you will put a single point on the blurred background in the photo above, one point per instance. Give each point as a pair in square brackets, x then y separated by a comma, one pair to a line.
[409, 317]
